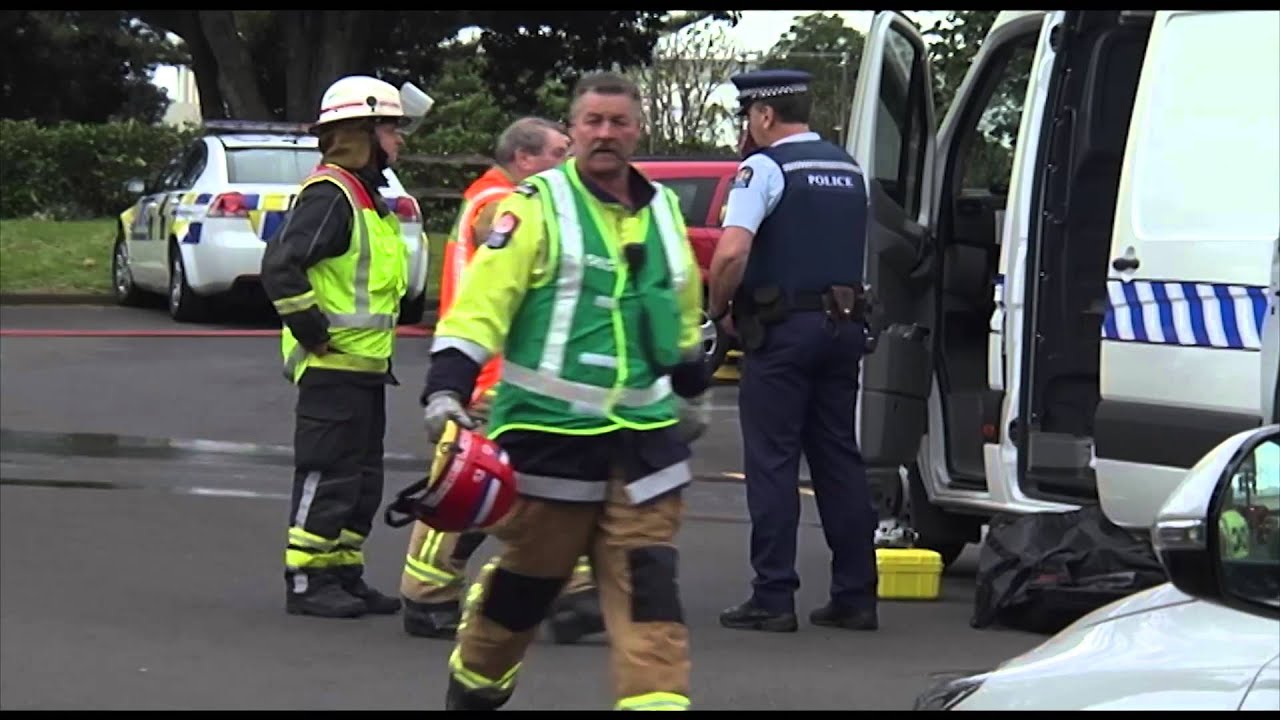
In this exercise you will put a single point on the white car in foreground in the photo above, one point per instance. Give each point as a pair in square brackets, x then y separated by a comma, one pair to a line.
[201, 224]
[1208, 640]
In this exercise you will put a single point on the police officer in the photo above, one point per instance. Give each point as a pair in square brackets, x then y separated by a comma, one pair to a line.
[588, 286]
[336, 273]
[787, 279]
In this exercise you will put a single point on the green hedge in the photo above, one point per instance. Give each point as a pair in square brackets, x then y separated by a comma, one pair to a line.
[76, 171]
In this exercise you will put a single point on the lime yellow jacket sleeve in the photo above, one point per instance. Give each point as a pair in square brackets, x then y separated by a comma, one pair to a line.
[495, 281]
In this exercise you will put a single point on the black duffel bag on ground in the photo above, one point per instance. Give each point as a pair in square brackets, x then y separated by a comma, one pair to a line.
[1040, 572]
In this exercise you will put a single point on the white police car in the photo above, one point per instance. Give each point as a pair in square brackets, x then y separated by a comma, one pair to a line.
[201, 224]
[1207, 640]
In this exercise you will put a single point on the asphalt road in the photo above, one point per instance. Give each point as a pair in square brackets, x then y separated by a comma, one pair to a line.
[143, 492]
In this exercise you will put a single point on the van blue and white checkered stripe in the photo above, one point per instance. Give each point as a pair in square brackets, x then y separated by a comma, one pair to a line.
[1191, 314]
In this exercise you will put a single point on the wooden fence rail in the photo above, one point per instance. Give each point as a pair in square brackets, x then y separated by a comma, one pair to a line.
[455, 162]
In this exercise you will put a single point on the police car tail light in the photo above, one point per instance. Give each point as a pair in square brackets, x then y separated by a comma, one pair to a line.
[407, 209]
[228, 205]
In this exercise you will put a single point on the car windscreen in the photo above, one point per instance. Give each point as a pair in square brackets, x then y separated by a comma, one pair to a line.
[276, 166]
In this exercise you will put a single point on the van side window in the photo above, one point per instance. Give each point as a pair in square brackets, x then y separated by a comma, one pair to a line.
[988, 159]
[901, 131]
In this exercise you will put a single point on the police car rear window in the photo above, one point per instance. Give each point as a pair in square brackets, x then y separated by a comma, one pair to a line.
[279, 166]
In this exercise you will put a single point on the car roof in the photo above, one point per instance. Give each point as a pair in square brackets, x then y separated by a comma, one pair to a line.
[682, 167]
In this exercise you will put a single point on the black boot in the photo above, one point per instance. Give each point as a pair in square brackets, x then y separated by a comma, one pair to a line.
[459, 697]
[432, 620]
[375, 602]
[575, 616]
[320, 594]
[749, 616]
[847, 618]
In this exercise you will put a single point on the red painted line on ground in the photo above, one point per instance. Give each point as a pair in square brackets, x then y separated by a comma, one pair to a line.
[249, 332]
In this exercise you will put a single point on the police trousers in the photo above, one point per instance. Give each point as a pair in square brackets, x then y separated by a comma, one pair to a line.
[337, 479]
[632, 549]
[797, 395]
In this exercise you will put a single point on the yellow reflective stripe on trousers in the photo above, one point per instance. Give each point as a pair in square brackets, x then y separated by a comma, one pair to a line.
[295, 558]
[428, 574]
[351, 539]
[294, 304]
[654, 701]
[421, 568]
[476, 681]
[311, 541]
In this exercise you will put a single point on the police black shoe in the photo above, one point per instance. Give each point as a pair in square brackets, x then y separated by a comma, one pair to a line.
[749, 616]
[324, 600]
[575, 616]
[458, 697]
[847, 618]
[438, 621]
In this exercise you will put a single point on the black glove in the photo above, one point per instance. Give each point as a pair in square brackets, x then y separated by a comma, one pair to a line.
[692, 377]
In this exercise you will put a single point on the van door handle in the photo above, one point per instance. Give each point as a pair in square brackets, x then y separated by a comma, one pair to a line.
[1122, 264]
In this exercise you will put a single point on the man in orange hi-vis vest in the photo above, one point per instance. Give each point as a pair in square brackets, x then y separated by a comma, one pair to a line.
[433, 578]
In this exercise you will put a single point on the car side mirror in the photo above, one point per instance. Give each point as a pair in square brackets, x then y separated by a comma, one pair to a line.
[134, 186]
[1218, 534]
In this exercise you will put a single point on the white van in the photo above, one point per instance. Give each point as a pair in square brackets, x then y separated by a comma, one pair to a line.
[1097, 305]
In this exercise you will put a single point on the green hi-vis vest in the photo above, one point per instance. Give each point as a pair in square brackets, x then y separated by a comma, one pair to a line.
[359, 291]
[579, 358]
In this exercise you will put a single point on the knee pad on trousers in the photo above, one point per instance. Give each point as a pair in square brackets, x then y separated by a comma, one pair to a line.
[654, 595]
[519, 602]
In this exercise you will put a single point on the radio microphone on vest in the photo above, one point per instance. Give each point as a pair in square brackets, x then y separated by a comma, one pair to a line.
[635, 253]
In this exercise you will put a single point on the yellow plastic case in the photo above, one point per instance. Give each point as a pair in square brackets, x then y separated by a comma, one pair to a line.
[908, 574]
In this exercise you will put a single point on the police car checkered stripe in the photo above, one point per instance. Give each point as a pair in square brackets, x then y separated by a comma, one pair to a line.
[1168, 312]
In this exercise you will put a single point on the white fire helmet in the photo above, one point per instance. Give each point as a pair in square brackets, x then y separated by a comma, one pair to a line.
[361, 96]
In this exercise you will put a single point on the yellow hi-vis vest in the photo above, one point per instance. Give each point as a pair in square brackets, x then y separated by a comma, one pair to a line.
[359, 291]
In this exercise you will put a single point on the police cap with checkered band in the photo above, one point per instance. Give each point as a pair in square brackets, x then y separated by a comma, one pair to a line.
[765, 84]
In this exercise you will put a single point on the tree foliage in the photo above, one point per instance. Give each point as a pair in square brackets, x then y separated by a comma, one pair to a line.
[79, 65]
[824, 46]
[679, 86]
[275, 64]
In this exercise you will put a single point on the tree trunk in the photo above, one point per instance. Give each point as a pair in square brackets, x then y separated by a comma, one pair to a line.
[186, 25]
[322, 47]
[236, 77]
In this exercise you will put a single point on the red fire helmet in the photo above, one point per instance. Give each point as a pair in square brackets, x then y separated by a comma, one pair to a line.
[471, 485]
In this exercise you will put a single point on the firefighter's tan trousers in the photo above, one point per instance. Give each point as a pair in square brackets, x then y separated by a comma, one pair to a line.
[435, 566]
[633, 551]
[435, 572]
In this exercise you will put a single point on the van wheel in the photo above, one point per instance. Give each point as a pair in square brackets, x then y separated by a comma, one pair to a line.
[715, 342]
[937, 530]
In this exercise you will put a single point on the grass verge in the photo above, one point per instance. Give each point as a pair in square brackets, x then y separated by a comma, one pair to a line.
[47, 256]
[74, 257]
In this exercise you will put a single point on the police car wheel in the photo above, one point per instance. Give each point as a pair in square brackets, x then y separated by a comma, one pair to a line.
[184, 304]
[125, 291]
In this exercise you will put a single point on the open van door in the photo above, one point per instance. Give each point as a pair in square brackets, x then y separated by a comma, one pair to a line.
[1271, 346]
[1193, 247]
[892, 138]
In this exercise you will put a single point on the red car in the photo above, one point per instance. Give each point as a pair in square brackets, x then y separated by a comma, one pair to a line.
[703, 188]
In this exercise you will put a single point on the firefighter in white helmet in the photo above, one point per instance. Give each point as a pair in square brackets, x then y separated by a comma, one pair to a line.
[336, 273]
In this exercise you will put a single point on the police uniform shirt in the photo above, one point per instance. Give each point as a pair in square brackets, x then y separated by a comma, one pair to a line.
[758, 187]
